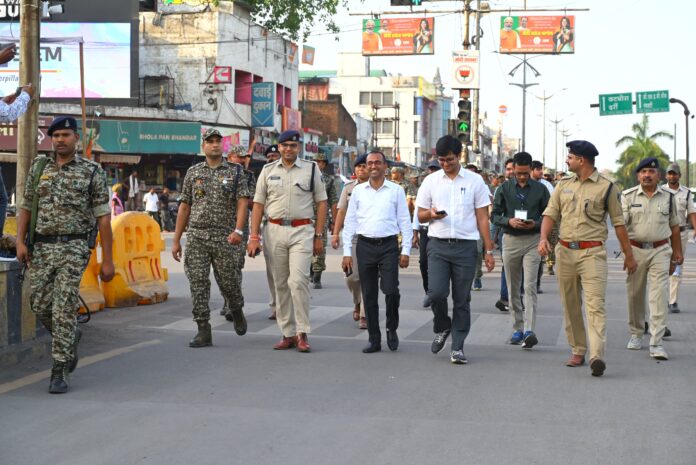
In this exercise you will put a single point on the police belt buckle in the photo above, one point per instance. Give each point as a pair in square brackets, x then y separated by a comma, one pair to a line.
[647, 245]
[285, 222]
[63, 238]
[574, 245]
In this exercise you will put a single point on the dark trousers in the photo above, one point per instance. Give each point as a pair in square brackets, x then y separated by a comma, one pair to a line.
[455, 263]
[423, 256]
[378, 266]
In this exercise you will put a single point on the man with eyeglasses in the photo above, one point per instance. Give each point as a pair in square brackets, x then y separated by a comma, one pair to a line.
[377, 213]
[287, 192]
[580, 203]
[517, 210]
[455, 201]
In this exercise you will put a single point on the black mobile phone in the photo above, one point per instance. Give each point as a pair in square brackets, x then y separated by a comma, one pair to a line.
[18, 91]
[441, 212]
[528, 221]
[348, 272]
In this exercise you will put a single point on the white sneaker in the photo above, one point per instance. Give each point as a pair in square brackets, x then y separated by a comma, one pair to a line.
[658, 353]
[635, 343]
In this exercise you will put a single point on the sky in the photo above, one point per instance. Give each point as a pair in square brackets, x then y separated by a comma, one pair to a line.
[620, 46]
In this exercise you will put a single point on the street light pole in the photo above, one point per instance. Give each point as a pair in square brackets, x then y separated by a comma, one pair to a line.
[29, 69]
[555, 150]
[686, 120]
[544, 99]
[524, 63]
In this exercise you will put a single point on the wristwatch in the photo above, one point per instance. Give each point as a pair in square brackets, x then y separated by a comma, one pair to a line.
[239, 232]
[318, 236]
[489, 252]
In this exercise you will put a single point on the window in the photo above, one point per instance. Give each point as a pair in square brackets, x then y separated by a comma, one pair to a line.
[288, 96]
[387, 127]
[384, 127]
[388, 151]
[364, 98]
[279, 96]
[416, 135]
[387, 98]
[376, 98]
[242, 87]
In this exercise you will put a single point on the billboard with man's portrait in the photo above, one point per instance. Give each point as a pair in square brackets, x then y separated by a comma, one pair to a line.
[537, 34]
[398, 36]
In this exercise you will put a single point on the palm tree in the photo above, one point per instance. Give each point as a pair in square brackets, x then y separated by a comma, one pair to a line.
[640, 146]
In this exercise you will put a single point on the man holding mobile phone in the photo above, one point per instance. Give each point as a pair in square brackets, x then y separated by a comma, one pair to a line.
[517, 209]
[14, 105]
[455, 202]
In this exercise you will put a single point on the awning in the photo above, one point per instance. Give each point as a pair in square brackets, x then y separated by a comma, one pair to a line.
[6, 157]
[119, 159]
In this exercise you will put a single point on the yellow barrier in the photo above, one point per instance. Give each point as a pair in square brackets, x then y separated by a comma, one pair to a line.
[10, 225]
[90, 291]
[140, 278]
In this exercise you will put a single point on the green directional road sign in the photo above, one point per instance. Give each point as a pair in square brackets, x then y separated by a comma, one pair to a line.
[655, 101]
[616, 104]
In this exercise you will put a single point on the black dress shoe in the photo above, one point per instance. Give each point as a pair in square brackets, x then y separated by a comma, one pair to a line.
[372, 347]
[392, 340]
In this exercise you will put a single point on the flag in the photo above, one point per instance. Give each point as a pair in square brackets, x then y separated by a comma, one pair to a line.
[88, 147]
[308, 55]
[292, 52]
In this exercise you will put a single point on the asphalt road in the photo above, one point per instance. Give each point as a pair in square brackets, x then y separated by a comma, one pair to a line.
[142, 396]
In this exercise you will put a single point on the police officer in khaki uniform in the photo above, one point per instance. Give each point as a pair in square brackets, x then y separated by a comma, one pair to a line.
[650, 213]
[287, 191]
[686, 212]
[272, 154]
[580, 203]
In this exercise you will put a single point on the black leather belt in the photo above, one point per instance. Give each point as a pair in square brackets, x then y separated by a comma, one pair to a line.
[452, 241]
[682, 228]
[376, 240]
[60, 238]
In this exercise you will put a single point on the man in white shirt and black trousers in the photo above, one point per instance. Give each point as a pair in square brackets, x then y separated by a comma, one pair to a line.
[377, 213]
[455, 201]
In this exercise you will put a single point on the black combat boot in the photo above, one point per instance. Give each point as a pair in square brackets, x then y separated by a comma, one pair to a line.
[204, 337]
[240, 323]
[72, 364]
[59, 378]
[317, 280]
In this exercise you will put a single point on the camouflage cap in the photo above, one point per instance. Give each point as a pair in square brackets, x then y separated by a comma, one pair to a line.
[211, 132]
[321, 156]
[238, 150]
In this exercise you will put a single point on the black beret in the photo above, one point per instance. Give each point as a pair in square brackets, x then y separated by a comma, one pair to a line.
[62, 122]
[582, 148]
[271, 149]
[434, 164]
[650, 162]
[361, 160]
[289, 136]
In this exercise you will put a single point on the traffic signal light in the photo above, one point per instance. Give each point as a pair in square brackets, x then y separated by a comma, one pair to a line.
[464, 121]
[406, 2]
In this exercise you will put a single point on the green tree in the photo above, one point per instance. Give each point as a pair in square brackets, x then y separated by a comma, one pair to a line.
[295, 19]
[640, 145]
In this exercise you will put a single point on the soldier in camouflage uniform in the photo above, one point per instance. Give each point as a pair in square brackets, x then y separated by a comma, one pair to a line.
[214, 203]
[397, 176]
[72, 193]
[238, 154]
[319, 261]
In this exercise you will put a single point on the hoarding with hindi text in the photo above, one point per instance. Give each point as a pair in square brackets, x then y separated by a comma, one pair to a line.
[537, 34]
[398, 36]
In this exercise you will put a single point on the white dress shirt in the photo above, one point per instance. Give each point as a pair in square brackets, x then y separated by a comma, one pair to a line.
[377, 213]
[151, 202]
[459, 197]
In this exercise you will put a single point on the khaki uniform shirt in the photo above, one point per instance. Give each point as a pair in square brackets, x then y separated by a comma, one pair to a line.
[286, 193]
[65, 206]
[685, 203]
[212, 194]
[649, 219]
[345, 195]
[579, 206]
